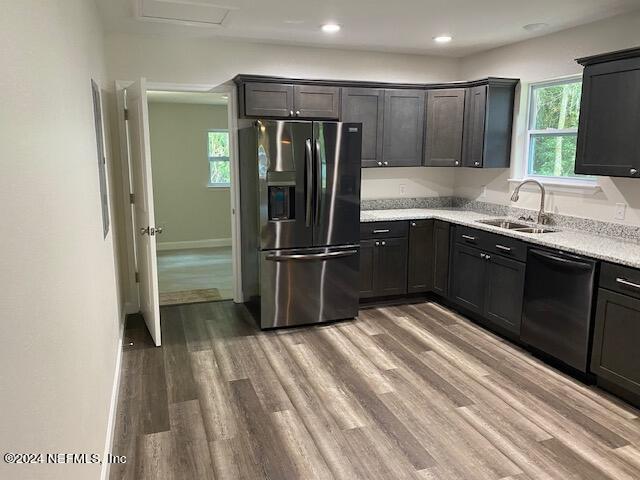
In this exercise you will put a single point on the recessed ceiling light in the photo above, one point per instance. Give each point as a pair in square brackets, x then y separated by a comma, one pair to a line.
[443, 38]
[330, 28]
[534, 27]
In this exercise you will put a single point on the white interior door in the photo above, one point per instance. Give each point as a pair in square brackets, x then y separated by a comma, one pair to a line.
[144, 219]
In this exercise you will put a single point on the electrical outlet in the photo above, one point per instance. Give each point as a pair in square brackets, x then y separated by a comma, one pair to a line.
[483, 191]
[403, 189]
[621, 209]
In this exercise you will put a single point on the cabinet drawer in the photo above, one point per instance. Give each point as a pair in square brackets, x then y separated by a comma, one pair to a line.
[620, 279]
[384, 229]
[471, 236]
[505, 246]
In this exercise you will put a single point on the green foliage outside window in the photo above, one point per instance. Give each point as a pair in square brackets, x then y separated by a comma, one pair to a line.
[218, 153]
[553, 127]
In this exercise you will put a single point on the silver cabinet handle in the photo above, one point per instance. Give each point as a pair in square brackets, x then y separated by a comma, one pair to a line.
[483, 255]
[457, 163]
[291, 113]
[297, 113]
[379, 164]
[627, 283]
[487, 257]
[413, 224]
[633, 171]
[386, 164]
[383, 243]
[477, 164]
[469, 237]
[385, 230]
[503, 248]
[312, 256]
[377, 244]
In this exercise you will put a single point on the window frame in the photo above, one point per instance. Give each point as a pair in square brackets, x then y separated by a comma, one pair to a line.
[578, 181]
[226, 159]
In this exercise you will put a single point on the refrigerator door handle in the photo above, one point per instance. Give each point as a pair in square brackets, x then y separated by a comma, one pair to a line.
[312, 256]
[308, 154]
[318, 180]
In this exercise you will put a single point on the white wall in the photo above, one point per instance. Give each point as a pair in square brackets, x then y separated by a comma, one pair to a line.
[185, 206]
[545, 58]
[213, 62]
[59, 307]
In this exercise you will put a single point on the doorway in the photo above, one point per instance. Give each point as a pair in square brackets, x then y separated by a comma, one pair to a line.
[191, 171]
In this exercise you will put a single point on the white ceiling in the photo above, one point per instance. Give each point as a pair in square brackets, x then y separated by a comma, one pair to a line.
[199, 98]
[399, 25]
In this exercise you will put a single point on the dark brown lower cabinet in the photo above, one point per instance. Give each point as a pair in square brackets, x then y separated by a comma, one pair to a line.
[504, 292]
[489, 285]
[468, 270]
[616, 352]
[421, 256]
[383, 267]
[441, 242]
[367, 268]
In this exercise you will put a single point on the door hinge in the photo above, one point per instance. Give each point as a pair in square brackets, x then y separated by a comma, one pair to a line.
[132, 198]
[137, 277]
[126, 114]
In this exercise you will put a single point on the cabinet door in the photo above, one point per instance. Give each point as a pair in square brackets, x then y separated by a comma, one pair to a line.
[391, 276]
[366, 106]
[468, 272]
[421, 259]
[616, 356]
[504, 292]
[441, 257]
[608, 140]
[403, 128]
[474, 126]
[313, 101]
[368, 261]
[268, 99]
[445, 119]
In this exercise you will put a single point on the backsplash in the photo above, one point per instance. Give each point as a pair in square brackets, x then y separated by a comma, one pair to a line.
[597, 227]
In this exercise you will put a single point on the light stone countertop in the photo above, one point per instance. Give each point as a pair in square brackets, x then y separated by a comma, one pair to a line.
[611, 249]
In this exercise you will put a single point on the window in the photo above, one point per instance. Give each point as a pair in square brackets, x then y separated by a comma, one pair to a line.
[554, 108]
[218, 154]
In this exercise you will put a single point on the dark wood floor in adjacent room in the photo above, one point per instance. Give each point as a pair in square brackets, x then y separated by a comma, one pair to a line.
[402, 392]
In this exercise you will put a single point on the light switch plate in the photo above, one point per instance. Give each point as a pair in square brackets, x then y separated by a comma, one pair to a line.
[621, 209]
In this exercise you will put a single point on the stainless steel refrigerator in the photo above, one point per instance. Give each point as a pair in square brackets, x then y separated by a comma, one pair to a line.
[300, 216]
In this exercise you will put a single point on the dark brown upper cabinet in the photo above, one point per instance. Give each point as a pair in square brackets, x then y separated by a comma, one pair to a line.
[366, 106]
[608, 139]
[403, 128]
[316, 101]
[445, 117]
[266, 99]
[488, 120]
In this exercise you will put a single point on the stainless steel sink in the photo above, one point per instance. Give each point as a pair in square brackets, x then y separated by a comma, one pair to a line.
[535, 230]
[515, 226]
[499, 222]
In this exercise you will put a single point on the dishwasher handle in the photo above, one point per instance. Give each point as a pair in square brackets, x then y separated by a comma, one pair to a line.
[560, 260]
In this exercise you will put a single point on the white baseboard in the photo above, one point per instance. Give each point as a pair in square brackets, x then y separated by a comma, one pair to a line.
[208, 243]
[113, 408]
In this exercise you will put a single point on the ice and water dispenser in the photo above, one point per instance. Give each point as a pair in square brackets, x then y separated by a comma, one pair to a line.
[281, 193]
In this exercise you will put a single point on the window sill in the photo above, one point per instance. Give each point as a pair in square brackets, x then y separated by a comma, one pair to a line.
[566, 186]
[220, 185]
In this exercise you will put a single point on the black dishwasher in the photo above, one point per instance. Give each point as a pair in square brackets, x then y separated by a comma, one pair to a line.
[558, 306]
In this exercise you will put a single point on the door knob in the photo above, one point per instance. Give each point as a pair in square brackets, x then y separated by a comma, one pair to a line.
[151, 231]
[144, 230]
[158, 230]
